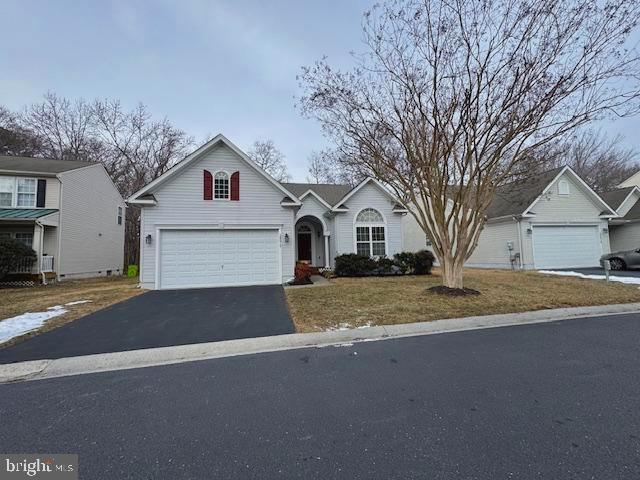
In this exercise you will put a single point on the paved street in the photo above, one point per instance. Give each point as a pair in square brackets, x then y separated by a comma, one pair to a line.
[555, 401]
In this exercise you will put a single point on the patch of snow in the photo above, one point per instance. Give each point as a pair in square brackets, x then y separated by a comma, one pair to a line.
[78, 302]
[612, 278]
[343, 345]
[366, 325]
[16, 326]
[341, 327]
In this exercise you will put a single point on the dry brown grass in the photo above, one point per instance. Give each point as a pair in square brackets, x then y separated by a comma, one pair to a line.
[102, 292]
[392, 300]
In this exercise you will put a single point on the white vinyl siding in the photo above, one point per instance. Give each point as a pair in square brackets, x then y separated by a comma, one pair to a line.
[369, 196]
[625, 237]
[91, 241]
[180, 202]
[492, 249]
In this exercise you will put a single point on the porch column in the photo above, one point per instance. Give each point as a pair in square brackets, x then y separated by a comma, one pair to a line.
[37, 244]
[327, 263]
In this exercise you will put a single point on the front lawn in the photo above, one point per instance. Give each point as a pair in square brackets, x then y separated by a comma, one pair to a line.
[77, 297]
[353, 302]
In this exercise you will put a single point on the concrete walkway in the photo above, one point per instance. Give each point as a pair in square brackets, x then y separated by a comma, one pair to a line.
[41, 369]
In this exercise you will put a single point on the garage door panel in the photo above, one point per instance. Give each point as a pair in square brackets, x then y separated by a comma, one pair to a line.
[566, 246]
[201, 258]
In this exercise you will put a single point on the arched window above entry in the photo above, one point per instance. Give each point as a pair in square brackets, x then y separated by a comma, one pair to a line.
[369, 215]
[221, 185]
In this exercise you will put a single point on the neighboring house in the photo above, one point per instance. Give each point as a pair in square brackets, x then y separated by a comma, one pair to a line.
[69, 212]
[550, 220]
[217, 219]
[624, 232]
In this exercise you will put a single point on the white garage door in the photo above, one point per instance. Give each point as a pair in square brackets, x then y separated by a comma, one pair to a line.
[212, 258]
[566, 247]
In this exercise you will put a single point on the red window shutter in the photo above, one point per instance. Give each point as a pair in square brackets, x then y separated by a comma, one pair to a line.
[235, 186]
[208, 185]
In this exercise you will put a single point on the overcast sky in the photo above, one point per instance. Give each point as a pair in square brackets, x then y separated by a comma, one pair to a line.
[213, 66]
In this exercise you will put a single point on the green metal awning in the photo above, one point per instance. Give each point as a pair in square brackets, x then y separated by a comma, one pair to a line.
[25, 213]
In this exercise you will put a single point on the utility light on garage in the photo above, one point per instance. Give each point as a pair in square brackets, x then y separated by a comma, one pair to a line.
[286, 238]
[147, 239]
[529, 231]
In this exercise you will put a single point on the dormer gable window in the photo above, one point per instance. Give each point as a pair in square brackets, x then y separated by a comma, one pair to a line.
[221, 188]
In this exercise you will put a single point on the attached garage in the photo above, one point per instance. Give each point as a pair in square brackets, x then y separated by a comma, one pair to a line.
[570, 246]
[218, 257]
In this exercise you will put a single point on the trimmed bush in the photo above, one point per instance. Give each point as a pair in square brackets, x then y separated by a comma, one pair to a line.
[302, 274]
[405, 261]
[13, 254]
[354, 265]
[423, 262]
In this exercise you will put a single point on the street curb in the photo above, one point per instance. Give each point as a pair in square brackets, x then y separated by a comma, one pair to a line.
[104, 362]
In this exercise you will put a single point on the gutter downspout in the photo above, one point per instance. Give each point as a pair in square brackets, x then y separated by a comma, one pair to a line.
[518, 221]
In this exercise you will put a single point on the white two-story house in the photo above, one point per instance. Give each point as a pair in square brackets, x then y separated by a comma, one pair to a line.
[69, 212]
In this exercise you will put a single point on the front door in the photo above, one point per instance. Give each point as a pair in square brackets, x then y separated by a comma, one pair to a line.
[304, 246]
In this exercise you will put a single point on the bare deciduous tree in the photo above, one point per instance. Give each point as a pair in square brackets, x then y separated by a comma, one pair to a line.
[14, 140]
[138, 149]
[601, 161]
[451, 96]
[270, 159]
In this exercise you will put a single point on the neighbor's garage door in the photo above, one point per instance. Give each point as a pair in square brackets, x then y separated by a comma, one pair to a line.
[566, 247]
[210, 258]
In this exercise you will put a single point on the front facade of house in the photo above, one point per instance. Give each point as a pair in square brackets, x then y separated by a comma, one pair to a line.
[552, 220]
[69, 212]
[217, 219]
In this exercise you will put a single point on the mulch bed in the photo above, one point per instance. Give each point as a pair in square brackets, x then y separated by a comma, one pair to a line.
[453, 292]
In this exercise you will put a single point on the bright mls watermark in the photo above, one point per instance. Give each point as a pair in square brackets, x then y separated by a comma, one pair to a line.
[47, 466]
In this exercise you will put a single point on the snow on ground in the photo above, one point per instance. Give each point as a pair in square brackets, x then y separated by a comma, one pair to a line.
[347, 326]
[16, 326]
[78, 302]
[612, 278]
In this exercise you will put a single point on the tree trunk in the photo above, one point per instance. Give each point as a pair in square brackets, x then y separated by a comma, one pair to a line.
[451, 272]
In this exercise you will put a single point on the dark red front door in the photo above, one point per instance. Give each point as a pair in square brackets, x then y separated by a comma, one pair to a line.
[304, 247]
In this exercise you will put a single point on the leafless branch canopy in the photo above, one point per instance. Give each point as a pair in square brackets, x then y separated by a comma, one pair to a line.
[451, 95]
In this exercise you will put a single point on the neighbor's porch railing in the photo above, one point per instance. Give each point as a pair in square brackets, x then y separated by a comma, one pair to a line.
[46, 265]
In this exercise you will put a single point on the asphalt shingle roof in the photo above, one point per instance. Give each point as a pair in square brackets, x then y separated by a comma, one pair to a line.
[614, 198]
[513, 198]
[25, 213]
[39, 165]
[329, 192]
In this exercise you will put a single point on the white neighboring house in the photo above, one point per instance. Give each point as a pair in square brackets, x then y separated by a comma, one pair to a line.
[624, 232]
[551, 220]
[69, 212]
[217, 219]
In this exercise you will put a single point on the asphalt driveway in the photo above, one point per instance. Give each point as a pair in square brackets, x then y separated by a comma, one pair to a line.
[162, 319]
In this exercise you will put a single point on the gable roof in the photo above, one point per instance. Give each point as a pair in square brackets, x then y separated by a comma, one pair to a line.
[215, 141]
[615, 198]
[514, 198]
[518, 197]
[44, 166]
[338, 207]
[633, 213]
[330, 193]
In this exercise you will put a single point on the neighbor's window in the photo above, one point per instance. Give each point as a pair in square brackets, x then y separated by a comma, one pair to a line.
[26, 238]
[221, 185]
[563, 187]
[26, 192]
[119, 215]
[6, 191]
[370, 233]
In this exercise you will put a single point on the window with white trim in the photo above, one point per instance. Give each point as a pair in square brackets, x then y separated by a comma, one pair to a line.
[221, 185]
[7, 185]
[563, 187]
[26, 238]
[370, 232]
[119, 215]
[26, 188]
